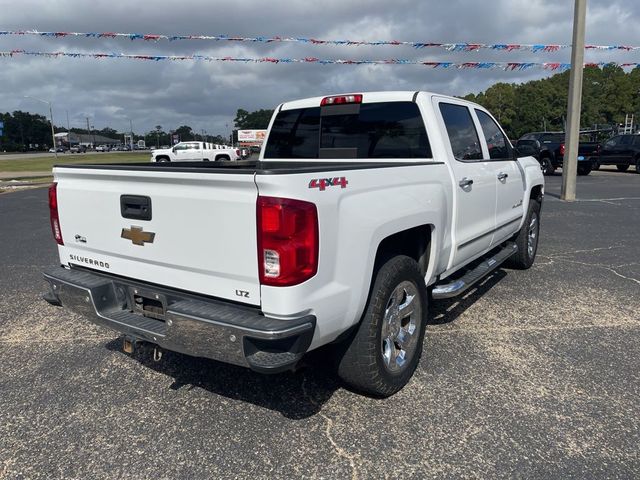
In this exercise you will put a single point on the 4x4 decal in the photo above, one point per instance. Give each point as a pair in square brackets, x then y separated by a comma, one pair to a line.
[323, 183]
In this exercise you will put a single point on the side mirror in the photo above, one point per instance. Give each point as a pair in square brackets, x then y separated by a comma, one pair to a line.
[173, 149]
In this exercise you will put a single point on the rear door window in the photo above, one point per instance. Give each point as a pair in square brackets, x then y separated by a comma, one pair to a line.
[370, 130]
[497, 144]
[462, 132]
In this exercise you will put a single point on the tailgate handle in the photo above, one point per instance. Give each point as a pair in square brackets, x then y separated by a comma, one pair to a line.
[135, 207]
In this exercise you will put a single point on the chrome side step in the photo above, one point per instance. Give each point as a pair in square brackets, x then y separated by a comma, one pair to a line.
[466, 281]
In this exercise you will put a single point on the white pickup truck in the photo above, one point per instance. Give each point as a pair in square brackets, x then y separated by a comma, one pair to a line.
[196, 152]
[361, 209]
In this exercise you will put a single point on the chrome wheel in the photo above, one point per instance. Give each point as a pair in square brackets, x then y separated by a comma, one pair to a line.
[532, 235]
[400, 326]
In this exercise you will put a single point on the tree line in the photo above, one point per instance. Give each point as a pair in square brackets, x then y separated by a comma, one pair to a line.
[608, 95]
[25, 131]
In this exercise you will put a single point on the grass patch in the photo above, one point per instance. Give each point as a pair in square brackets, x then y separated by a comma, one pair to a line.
[34, 179]
[40, 164]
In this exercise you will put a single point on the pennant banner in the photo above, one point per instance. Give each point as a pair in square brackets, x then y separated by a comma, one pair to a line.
[452, 47]
[508, 66]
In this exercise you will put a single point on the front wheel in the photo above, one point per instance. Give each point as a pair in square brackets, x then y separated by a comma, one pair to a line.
[382, 354]
[547, 166]
[622, 168]
[638, 165]
[527, 239]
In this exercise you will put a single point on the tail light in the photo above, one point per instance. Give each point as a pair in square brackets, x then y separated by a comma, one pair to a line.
[238, 152]
[53, 213]
[287, 241]
[562, 149]
[341, 100]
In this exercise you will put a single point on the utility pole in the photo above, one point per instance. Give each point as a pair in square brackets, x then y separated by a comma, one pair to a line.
[53, 133]
[68, 130]
[131, 134]
[572, 133]
[88, 128]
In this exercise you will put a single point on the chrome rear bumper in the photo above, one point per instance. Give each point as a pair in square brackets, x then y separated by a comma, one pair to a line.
[181, 322]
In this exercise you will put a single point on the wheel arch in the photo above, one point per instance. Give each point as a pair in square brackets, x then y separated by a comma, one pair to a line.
[413, 242]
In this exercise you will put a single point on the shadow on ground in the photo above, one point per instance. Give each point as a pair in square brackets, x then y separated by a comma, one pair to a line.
[296, 395]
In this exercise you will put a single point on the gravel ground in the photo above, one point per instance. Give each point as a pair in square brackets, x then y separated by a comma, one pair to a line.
[533, 374]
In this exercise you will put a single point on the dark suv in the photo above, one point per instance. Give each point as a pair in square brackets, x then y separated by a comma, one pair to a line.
[548, 149]
[621, 151]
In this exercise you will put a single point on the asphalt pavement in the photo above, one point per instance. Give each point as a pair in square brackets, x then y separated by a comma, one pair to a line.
[533, 374]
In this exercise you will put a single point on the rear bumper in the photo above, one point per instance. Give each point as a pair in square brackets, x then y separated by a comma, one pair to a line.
[189, 324]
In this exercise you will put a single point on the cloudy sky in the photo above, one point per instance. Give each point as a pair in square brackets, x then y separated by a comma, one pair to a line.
[206, 95]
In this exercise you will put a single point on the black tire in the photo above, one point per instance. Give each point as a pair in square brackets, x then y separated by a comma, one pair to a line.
[547, 166]
[622, 168]
[596, 165]
[222, 158]
[362, 363]
[584, 169]
[638, 165]
[162, 159]
[524, 257]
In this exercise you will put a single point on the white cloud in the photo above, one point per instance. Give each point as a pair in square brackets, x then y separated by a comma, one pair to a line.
[207, 95]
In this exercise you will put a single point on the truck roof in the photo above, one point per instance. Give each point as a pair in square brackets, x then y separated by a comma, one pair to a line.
[367, 97]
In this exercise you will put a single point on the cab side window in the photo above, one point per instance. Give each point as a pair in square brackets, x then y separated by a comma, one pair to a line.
[612, 142]
[461, 131]
[626, 140]
[497, 144]
[181, 146]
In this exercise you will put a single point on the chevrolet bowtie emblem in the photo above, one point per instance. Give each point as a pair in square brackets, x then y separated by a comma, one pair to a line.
[137, 235]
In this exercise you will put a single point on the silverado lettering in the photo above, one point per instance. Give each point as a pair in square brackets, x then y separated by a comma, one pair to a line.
[88, 261]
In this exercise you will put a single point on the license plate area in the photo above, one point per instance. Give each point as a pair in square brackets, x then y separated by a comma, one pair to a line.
[148, 303]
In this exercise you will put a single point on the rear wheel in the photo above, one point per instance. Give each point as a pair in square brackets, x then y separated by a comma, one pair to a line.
[547, 166]
[622, 168]
[596, 165]
[638, 165]
[382, 354]
[527, 239]
[584, 169]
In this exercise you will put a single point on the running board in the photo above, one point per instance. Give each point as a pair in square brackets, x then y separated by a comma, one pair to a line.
[462, 284]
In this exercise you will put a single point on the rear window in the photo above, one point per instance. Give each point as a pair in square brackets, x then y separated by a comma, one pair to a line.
[370, 130]
[552, 138]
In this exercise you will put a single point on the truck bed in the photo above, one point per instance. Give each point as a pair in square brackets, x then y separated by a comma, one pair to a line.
[246, 166]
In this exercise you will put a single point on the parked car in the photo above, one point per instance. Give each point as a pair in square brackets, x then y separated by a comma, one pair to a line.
[549, 149]
[622, 151]
[195, 151]
[57, 150]
[102, 148]
[361, 209]
[78, 149]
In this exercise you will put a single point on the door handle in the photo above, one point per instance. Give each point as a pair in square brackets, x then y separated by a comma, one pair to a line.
[465, 182]
[502, 176]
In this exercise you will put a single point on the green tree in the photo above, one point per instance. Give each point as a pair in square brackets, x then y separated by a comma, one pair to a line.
[257, 120]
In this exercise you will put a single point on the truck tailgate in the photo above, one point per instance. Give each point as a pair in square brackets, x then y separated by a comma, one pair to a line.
[203, 226]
